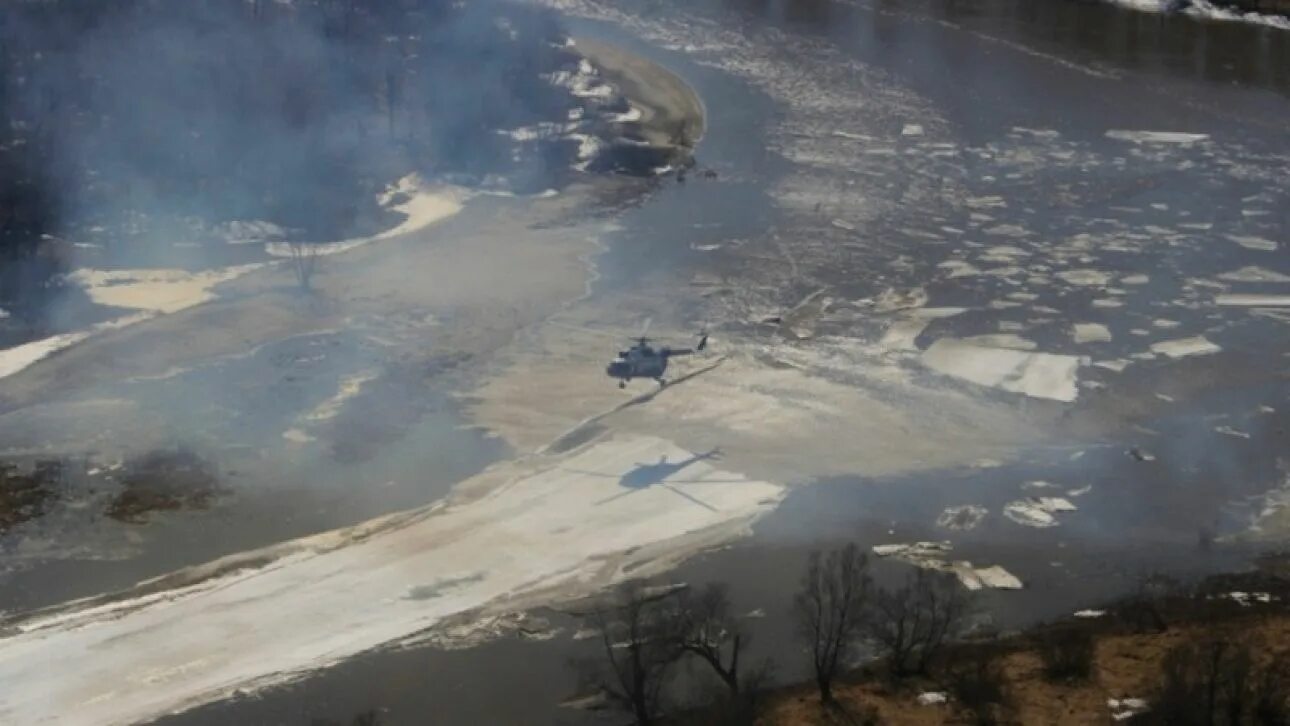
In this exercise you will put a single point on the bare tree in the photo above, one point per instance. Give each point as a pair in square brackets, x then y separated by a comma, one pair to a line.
[913, 622]
[637, 629]
[706, 629]
[830, 609]
[304, 262]
[1220, 680]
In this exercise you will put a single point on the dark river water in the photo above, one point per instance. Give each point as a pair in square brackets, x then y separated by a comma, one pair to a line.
[985, 67]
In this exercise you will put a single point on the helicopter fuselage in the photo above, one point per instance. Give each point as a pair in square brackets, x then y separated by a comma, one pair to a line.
[643, 360]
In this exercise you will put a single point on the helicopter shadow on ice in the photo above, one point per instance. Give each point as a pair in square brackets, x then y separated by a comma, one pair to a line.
[660, 474]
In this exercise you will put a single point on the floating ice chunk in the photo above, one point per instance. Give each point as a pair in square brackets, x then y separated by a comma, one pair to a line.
[1117, 365]
[1156, 137]
[1090, 333]
[1164, 324]
[959, 268]
[1253, 243]
[963, 517]
[1184, 347]
[1229, 431]
[1254, 274]
[1085, 277]
[1253, 300]
[931, 556]
[912, 550]
[3, 313]
[1089, 613]
[912, 130]
[1138, 279]
[997, 578]
[1039, 375]
[1037, 511]
[843, 224]
[1107, 302]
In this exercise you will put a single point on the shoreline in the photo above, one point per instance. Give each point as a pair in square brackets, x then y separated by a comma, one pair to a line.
[532, 250]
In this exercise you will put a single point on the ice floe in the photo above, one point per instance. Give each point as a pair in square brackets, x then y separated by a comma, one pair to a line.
[1253, 300]
[1090, 333]
[1039, 375]
[1156, 137]
[1085, 277]
[1037, 511]
[1184, 347]
[962, 517]
[1253, 243]
[934, 556]
[1254, 274]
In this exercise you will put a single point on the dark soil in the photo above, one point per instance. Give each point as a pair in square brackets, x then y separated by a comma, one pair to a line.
[164, 481]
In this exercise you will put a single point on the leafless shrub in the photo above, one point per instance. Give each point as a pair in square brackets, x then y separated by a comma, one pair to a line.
[1218, 681]
[304, 262]
[1067, 654]
[637, 629]
[913, 622]
[829, 609]
[976, 679]
[1144, 611]
[706, 629]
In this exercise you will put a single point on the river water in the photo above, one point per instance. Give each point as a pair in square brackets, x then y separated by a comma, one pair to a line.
[1026, 100]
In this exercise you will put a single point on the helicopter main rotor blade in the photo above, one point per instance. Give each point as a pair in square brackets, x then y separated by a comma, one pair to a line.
[645, 327]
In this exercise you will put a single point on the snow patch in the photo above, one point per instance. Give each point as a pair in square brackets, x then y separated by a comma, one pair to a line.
[550, 531]
[159, 291]
[19, 357]
[422, 208]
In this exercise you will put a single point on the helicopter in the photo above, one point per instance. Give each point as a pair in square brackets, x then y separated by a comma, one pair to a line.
[643, 360]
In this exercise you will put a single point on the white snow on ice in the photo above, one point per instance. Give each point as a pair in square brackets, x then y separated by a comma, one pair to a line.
[19, 357]
[423, 207]
[160, 291]
[333, 596]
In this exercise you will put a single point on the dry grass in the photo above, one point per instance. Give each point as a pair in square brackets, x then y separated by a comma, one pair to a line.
[1126, 665]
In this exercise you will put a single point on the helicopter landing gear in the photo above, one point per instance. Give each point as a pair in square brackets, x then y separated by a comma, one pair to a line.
[660, 381]
[622, 384]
